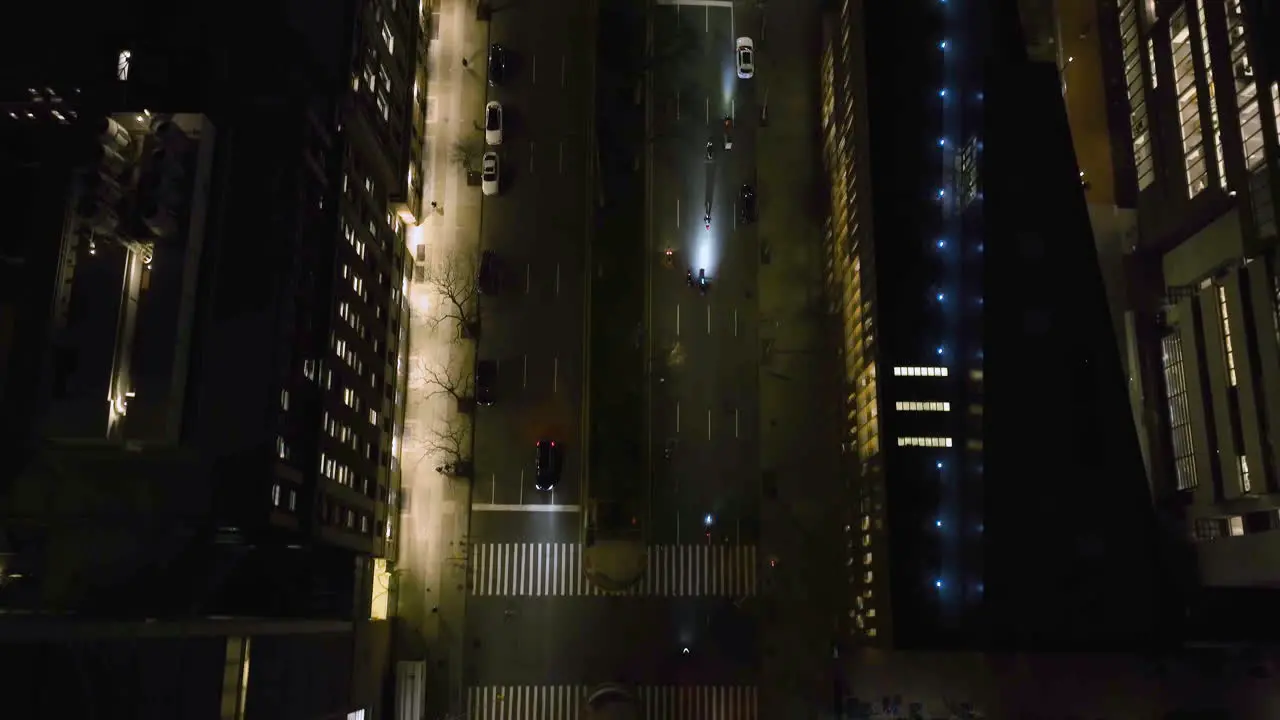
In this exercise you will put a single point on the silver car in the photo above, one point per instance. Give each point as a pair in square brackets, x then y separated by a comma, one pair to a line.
[489, 170]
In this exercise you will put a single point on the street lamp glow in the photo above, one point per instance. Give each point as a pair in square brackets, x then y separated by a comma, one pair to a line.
[941, 297]
[938, 583]
[942, 142]
[942, 45]
[707, 520]
[942, 244]
[942, 92]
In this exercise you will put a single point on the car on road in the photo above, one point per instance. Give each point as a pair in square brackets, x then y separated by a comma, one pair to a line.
[489, 279]
[746, 58]
[497, 64]
[747, 204]
[486, 378]
[546, 465]
[489, 169]
[493, 123]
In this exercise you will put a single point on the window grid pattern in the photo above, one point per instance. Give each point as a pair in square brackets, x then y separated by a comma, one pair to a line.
[922, 406]
[937, 442]
[1175, 392]
[1246, 88]
[969, 183]
[920, 371]
[1142, 160]
[1216, 126]
[1226, 335]
[1151, 63]
[1275, 109]
[1184, 82]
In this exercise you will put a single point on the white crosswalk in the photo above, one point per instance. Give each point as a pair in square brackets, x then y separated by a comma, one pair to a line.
[566, 702]
[532, 569]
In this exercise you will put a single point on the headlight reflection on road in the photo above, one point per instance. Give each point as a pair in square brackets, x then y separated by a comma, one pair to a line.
[705, 251]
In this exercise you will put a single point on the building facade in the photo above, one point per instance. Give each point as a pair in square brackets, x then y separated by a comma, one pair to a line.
[984, 388]
[211, 302]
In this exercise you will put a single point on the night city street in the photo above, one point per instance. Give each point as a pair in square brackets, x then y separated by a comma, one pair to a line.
[640, 359]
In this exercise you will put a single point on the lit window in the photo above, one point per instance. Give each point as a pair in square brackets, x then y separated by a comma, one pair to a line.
[389, 39]
[293, 499]
[867, 577]
[930, 406]
[871, 632]
[1226, 335]
[920, 371]
[275, 494]
[924, 442]
[382, 106]
[284, 399]
[1184, 80]
[122, 64]
[373, 416]
[866, 559]
[282, 448]
[1235, 525]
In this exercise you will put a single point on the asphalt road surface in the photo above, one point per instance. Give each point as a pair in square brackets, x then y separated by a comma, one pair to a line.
[538, 636]
[533, 328]
[705, 344]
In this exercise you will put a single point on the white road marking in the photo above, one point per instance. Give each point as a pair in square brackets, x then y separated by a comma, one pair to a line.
[493, 488]
[735, 322]
[677, 211]
[557, 279]
[528, 272]
[562, 65]
[708, 3]
[708, 14]
[531, 145]
[707, 106]
[677, 105]
[495, 507]
[708, 319]
[534, 78]
[524, 373]
[555, 374]
[677, 319]
[561, 161]
[708, 423]
[735, 422]
[677, 416]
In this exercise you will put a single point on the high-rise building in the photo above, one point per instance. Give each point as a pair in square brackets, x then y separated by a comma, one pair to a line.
[1191, 97]
[202, 318]
[997, 492]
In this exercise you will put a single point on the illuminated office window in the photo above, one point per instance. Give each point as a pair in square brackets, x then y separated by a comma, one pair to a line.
[1216, 126]
[933, 442]
[1246, 88]
[922, 406]
[1138, 130]
[1184, 82]
[933, 371]
[122, 64]
[1175, 391]
[1226, 335]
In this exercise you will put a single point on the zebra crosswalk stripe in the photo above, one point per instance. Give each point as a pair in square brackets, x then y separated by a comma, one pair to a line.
[543, 569]
[657, 702]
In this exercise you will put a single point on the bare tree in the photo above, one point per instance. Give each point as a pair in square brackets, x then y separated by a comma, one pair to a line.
[456, 283]
[444, 378]
[465, 152]
[449, 444]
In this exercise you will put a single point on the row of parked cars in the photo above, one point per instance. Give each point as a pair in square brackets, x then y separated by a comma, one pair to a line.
[490, 164]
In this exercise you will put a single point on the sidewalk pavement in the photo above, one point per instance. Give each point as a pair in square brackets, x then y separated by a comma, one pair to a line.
[432, 563]
[799, 415]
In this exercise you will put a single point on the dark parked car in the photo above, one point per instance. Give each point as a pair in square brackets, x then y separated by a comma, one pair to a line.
[747, 204]
[488, 280]
[546, 465]
[486, 379]
[497, 64]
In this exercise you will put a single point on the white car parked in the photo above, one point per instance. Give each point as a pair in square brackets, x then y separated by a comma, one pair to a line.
[746, 58]
[489, 173]
[493, 123]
